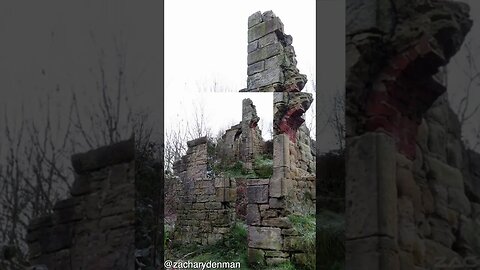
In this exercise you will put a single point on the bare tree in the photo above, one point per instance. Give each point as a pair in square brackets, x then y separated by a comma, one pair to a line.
[35, 168]
[33, 177]
[467, 107]
[336, 120]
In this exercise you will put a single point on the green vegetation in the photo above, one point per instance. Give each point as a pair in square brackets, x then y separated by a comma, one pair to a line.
[305, 226]
[263, 166]
[235, 170]
[283, 266]
[331, 240]
[233, 248]
[148, 184]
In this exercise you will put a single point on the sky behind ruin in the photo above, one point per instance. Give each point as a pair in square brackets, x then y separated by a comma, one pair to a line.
[210, 47]
[47, 49]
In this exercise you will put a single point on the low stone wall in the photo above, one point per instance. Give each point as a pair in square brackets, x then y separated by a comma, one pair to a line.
[210, 214]
[206, 208]
[94, 228]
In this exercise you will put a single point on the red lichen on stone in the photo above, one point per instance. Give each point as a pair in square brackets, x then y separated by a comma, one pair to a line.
[397, 107]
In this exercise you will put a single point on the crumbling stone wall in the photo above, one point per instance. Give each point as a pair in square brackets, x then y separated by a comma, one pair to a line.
[94, 228]
[206, 208]
[271, 56]
[272, 67]
[410, 199]
[271, 236]
[252, 143]
[209, 203]
[243, 142]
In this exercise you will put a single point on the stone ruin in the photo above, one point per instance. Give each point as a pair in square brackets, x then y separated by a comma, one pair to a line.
[271, 57]
[209, 204]
[204, 211]
[244, 140]
[94, 228]
[412, 188]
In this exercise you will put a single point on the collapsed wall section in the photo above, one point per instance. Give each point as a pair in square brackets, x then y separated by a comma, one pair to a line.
[94, 228]
[206, 209]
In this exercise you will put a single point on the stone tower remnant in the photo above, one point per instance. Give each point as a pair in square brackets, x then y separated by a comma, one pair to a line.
[271, 57]
[272, 68]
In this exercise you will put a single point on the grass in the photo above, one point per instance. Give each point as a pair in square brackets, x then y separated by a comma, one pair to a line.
[263, 166]
[305, 225]
[233, 248]
[331, 240]
[235, 170]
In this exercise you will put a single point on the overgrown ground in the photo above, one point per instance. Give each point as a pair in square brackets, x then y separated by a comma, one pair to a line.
[234, 247]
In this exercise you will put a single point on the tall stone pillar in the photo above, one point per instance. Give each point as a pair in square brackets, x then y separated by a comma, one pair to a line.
[272, 68]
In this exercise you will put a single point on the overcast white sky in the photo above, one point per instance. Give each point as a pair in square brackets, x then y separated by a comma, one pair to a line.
[206, 42]
[457, 80]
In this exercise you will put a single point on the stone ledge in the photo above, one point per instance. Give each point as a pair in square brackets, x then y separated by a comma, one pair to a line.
[198, 141]
[105, 156]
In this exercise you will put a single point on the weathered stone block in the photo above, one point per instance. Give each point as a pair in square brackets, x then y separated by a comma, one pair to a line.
[80, 186]
[265, 238]
[268, 39]
[196, 142]
[363, 15]
[441, 232]
[255, 19]
[255, 68]
[407, 186]
[221, 182]
[265, 78]
[253, 214]
[372, 253]
[264, 28]
[276, 184]
[274, 61]
[444, 174]
[457, 200]
[281, 152]
[276, 203]
[371, 189]
[280, 222]
[213, 205]
[252, 46]
[407, 231]
[257, 194]
[264, 53]
[121, 152]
